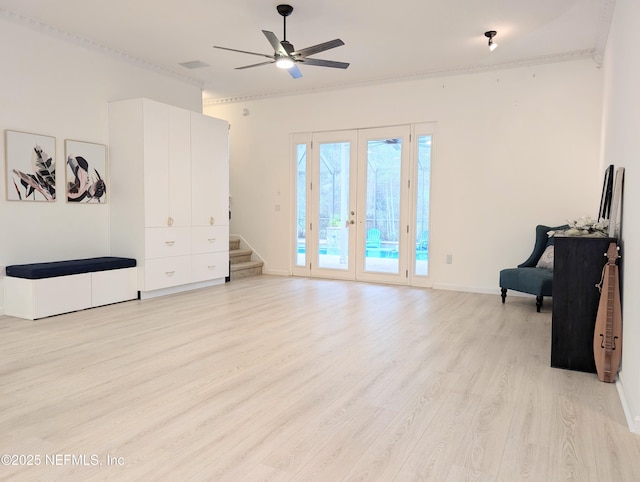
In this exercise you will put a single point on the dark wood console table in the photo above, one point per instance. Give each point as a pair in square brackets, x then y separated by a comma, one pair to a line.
[578, 263]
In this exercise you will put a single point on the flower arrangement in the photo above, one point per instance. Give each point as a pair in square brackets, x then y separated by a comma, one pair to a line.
[584, 226]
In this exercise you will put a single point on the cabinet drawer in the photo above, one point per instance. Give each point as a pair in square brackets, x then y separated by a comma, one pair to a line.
[209, 266]
[166, 272]
[209, 239]
[163, 242]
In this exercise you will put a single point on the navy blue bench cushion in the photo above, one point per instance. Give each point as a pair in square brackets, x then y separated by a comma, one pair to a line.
[65, 268]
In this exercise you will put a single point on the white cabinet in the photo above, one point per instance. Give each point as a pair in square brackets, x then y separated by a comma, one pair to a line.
[169, 181]
[209, 239]
[179, 147]
[38, 298]
[210, 171]
[167, 272]
[209, 265]
[164, 242]
[167, 165]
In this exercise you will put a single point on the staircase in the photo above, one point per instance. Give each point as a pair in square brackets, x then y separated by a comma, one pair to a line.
[241, 263]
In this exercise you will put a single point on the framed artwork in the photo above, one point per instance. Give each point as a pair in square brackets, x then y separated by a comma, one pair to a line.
[86, 167]
[607, 194]
[31, 166]
[615, 221]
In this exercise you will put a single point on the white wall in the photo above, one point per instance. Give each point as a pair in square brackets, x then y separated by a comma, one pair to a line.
[53, 87]
[514, 148]
[621, 146]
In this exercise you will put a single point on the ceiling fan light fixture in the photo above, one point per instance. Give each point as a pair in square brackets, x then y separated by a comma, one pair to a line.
[284, 63]
[490, 34]
[285, 56]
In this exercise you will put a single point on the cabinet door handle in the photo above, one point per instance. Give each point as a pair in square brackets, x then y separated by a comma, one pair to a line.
[213, 266]
[169, 221]
[212, 220]
[169, 273]
[212, 240]
[169, 243]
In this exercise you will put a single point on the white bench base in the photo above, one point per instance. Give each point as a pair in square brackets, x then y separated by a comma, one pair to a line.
[38, 298]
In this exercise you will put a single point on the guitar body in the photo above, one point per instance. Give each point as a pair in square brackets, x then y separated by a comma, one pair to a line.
[607, 337]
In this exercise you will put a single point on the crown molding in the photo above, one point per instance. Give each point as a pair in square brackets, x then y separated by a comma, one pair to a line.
[94, 45]
[595, 54]
[603, 30]
[464, 70]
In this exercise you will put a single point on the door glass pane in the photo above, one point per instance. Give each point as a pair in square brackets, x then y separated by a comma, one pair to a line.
[422, 206]
[383, 205]
[333, 203]
[301, 204]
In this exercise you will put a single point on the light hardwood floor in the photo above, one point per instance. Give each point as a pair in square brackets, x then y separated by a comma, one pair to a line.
[274, 378]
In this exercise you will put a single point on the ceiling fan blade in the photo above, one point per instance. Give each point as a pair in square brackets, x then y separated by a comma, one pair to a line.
[255, 65]
[295, 72]
[275, 43]
[243, 52]
[324, 63]
[331, 44]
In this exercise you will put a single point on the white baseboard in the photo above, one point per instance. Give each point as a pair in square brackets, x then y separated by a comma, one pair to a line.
[276, 272]
[633, 421]
[467, 289]
[145, 295]
[1, 290]
[484, 291]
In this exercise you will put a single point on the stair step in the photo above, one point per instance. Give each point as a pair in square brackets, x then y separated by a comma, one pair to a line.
[241, 264]
[246, 268]
[239, 255]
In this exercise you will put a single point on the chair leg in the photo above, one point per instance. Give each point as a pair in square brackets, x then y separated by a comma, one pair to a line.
[503, 294]
[538, 303]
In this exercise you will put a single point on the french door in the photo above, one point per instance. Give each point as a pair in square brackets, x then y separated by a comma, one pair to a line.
[361, 209]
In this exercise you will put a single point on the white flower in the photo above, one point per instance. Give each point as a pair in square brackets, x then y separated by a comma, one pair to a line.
[584, 226]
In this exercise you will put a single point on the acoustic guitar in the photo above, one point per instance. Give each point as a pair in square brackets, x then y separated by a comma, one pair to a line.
[607, 338]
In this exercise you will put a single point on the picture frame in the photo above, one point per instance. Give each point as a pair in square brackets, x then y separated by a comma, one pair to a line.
[86, 172]
[615, 221]
[30, 166]
[607, 194]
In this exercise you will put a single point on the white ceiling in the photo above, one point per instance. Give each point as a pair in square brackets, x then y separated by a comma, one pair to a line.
[384, 40]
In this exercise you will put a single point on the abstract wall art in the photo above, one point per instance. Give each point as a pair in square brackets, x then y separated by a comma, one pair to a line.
[31, 166]
[86, 167]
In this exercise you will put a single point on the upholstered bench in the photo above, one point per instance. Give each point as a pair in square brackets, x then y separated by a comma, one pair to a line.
[38, 290]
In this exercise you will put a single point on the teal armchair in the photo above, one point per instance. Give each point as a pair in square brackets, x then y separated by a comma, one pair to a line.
[527, 278]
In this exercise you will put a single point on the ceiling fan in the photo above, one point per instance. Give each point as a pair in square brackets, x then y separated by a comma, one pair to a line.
[286, 57]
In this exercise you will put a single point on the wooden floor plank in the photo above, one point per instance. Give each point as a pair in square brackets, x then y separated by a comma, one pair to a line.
[277, 379]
